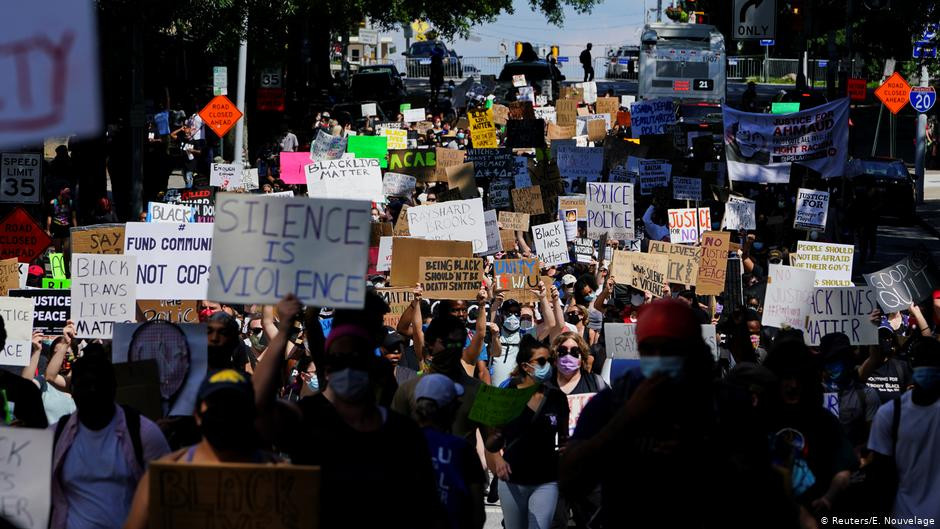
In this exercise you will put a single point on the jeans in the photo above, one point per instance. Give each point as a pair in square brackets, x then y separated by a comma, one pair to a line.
[188, 179]
[528, 506]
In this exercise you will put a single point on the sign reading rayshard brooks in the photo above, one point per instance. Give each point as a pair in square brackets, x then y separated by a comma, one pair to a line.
[315, 248]
[761, 147]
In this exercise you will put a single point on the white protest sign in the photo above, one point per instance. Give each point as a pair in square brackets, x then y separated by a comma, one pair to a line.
[18, 320]
[396, 138]
[20, 177]
[493, 243]
[653, 174]
[684, 188]
[518, 80]
[651, 116]
[223, 174]
[454, 220]
[610, 210]
[398, 185]
[550, 243]
[844, 310]
[368, 109]
[172, 260]
[812, 208]
[103, 293]
[711, 339]
[620, 340]
[831, 262]
[27, 475]
[547, 113]
[352, 178]
[626, 101]
[316, 248]
[589, 92]
[327, 147]
[277, 194]
[50, 72]
[414, 115]
[175, 213]
[683, 227]
[384, 261]
[739, 214]
[789, 296]
[249, 179]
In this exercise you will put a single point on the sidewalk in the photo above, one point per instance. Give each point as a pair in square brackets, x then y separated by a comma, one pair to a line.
[928, 213]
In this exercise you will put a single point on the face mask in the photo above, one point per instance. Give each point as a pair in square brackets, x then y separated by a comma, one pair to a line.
[460, 135]
[781, 204]
[835, 371]
[590, 297]
[573, 318]
[568, 364]
[379, 285]
[350, 384]
[670, 366]
[511, 323]
[758, 245]
[927, 377]
[314, 383]
[526, 324]
[542, 373]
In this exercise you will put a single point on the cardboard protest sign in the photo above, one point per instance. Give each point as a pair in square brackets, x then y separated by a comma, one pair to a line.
[566, 112]
[525, 133]
[683, 261]
[521, 109]
[398, 300]
[596, 130]
[172, 260]
[686, 188]
[315, 248]
[713, 264]
[514, 221]
[274, 496]
[831, 262]
[528, 200]
[103, 293]
[445, 158]
[352, 178]
[739, 214]
[812, 207]
[27, 474]
[177, 214]
[397, 138]
[457, 278]
[51, 309]
[610, 210]
[414, 115]
[491, 163]
[223, 174]
[500, 114]
[576, 202]
[683, 226]
[507, 239]
[608, 105]
[584, 250]
[398, 185]
[495, 406]
[9, 275]
[99, 239]
[550, 243]
[482, 129]
[174, 311]
[516, 278]
[17, 316]
[762, 147]
[327, 146]
[457, 220]
[652, 116]
[620, 340]
[653, 174]
[642, 271]
[419, 163]
[789, 297]
[292, 166]
[461, 177]
[908, 281]
[844, 310]
[367, 147]
[408, 251]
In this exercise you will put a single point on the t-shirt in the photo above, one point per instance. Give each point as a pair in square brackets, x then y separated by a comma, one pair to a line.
[501, 366]
[289, 142]
[365, 475]
[404, 402]
[456, 467]
[97, 481]
[916, 457]
[890, 379]
[533, 438]
[404, 374]
[25, 399]
[857, 407]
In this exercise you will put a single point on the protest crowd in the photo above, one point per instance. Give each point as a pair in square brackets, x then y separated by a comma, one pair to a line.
[560, 304]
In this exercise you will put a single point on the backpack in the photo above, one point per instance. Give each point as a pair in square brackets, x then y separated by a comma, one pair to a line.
[131, 417]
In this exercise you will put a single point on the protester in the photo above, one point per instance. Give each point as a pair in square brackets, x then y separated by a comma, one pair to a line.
[587, 63]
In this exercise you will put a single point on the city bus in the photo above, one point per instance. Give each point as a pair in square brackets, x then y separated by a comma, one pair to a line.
[683, 62]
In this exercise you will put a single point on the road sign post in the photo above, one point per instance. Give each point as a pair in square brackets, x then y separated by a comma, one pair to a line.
[922, 98]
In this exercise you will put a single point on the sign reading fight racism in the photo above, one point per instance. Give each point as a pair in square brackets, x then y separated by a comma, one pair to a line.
[172, 260]
[811, 209]
[610, 210]
[103, 293]
[761, 147]
[456, 220]
[315, 248]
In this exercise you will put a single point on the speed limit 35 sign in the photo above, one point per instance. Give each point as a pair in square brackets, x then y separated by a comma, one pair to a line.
[20, 175]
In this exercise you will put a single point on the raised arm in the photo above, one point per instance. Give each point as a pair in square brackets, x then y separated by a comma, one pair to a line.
[472, 353]
[30, 370]
[417, 323]
[267, 373]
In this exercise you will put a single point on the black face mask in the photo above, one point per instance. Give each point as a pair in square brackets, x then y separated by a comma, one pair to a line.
[228, 428]
[220, 356]
[573, 318]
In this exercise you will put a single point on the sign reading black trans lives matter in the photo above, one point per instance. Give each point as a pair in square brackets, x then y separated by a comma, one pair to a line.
[314, 248]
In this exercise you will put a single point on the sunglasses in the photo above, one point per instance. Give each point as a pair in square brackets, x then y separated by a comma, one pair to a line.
[541, 361]
[255, 330]
[574, 351]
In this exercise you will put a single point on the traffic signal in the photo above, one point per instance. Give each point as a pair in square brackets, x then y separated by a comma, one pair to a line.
[700, 17]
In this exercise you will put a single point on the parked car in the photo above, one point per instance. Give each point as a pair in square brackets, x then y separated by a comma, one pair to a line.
[623, 63]
[535, 72]
[380, 82]
[418, 59]
[890, 180]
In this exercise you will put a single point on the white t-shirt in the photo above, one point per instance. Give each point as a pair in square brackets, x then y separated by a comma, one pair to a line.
[289, 142]
[196, 127]
[917, 458]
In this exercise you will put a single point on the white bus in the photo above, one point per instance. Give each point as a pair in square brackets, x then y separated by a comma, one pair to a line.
[683, 62]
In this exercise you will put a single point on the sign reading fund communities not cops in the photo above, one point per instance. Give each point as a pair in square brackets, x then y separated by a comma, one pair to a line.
[314, 248]
[172, 259]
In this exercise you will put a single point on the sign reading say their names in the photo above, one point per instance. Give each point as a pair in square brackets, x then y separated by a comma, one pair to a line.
[352, 178]
[550, 243]
[315, 248]
[99, 238]
[103, 293]
[177, 214]
[172, 260]
[789, 297]
[27, 474]
[17, 316]
[455, 220]
[451, 277]
[844, 310]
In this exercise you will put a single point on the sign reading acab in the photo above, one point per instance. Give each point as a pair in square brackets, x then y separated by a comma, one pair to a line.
[895, 93]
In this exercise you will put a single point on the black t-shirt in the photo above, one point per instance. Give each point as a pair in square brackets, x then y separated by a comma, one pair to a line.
[25, 399]
[365, 475]
[891, 378]
[532, 439]
[588, 383]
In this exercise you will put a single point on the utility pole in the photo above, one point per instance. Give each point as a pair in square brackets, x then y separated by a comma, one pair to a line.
[137, 121]
[240, 99]
[921, 148]
[659, 10]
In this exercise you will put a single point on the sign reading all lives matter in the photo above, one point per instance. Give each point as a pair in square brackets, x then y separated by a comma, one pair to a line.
[172, 259]
[17, 316]
[20, 177]
[103, 293]
[315, 248]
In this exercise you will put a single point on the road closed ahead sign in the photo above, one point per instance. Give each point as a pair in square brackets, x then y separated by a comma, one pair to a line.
[894, 93]
[220, 115]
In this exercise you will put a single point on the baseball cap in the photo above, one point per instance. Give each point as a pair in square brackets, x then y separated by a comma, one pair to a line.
[226, 379]
[392, 340]
[438, 388]
[833, 345]
[568, 279]
[36, 270]
[667, 318]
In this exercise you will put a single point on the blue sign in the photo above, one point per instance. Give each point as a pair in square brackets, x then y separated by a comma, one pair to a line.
[822, 63]
[924, 50]
[562, 59]
[923, 98]
[623, 60]
[766, 42]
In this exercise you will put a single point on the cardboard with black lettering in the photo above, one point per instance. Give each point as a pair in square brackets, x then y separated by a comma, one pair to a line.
[454, 278]
[408, 250]
[99, 239]
[51, 308]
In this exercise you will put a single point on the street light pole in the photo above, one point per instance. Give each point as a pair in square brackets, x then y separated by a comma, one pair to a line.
[921, 148]
[240, 99]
